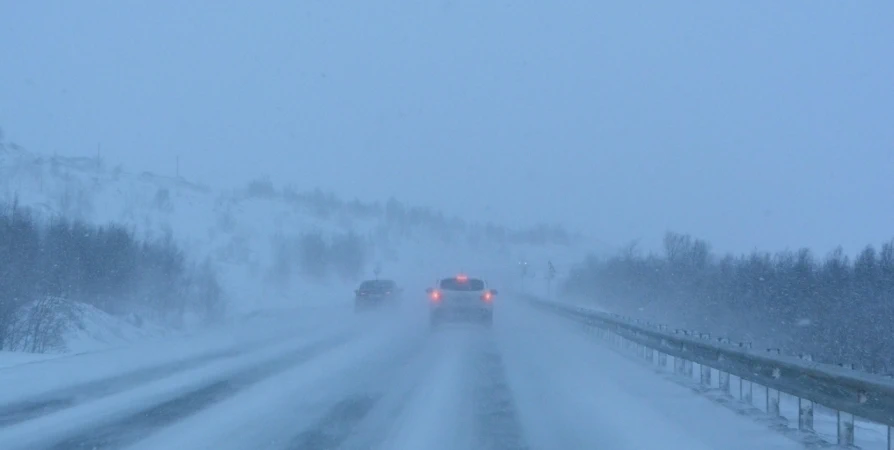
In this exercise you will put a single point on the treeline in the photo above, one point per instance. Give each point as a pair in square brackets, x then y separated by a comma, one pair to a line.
[405, 218]
[314, 256]
[106, 267]
[834, 308]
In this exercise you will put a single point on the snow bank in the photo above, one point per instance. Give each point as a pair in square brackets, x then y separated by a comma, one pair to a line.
[10, 359]
[55, 325]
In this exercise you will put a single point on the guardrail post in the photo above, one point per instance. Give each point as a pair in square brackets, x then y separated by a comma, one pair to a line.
[705, 375]
[846, 429]
[805, 414]
[745, 391]
[772, 402]
[687, 368]
[724, 382]
[662, 359]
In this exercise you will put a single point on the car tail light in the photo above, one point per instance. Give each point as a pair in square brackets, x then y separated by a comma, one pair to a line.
[487, 296]
[436, 296]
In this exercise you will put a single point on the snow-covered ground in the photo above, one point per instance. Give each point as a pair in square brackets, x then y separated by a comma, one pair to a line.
[325, 378]
[8, 359]
[868, 435]
[82, 328]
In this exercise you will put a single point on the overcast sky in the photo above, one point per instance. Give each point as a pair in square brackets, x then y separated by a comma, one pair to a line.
[763, 124]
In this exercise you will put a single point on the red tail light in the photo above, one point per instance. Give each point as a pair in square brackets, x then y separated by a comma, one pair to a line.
[487, 296]
[436, 296]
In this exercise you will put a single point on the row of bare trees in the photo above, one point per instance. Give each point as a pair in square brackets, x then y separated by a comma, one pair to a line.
[835, 308]
[405, 219]
[103, 266]
[315, 256]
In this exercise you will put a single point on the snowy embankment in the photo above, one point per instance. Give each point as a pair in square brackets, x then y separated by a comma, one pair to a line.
[54, 325]
[869, 435]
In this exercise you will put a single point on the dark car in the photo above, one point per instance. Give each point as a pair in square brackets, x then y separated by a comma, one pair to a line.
[376, 293]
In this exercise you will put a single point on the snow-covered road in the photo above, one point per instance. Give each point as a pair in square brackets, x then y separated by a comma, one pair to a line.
[328, 379]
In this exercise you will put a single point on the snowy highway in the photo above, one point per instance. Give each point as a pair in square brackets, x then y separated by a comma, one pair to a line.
[326, 378]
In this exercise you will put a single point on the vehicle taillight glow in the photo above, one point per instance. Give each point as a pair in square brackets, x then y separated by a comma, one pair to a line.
[436, 296]
[462, 278]
[488, 296]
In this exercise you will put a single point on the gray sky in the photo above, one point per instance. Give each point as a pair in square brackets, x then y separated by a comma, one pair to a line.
[753, 124]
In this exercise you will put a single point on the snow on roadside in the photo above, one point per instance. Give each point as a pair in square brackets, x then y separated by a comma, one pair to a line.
[55, 325]
[12, 359]
[591, 384]
[42, 374]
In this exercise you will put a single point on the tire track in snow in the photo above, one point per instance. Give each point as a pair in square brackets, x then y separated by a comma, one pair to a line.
[496, 418]
[357, 419]
[73, 395]
[70, 396]
[336, 426]
[137, 426]
[455, 395]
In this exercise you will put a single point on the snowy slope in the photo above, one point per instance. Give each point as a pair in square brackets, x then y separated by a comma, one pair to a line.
[239, 231]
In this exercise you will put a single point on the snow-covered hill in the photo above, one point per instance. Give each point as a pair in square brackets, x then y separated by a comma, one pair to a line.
[250, 234]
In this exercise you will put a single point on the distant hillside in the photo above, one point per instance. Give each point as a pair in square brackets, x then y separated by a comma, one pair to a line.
[276, 245]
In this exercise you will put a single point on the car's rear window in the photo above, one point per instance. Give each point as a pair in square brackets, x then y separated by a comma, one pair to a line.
[457, 284]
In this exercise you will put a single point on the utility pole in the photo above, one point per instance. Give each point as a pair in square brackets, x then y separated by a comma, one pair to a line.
[523, 265]
[551, 273]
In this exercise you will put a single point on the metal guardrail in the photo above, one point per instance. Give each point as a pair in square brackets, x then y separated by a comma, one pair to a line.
[850, 393]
